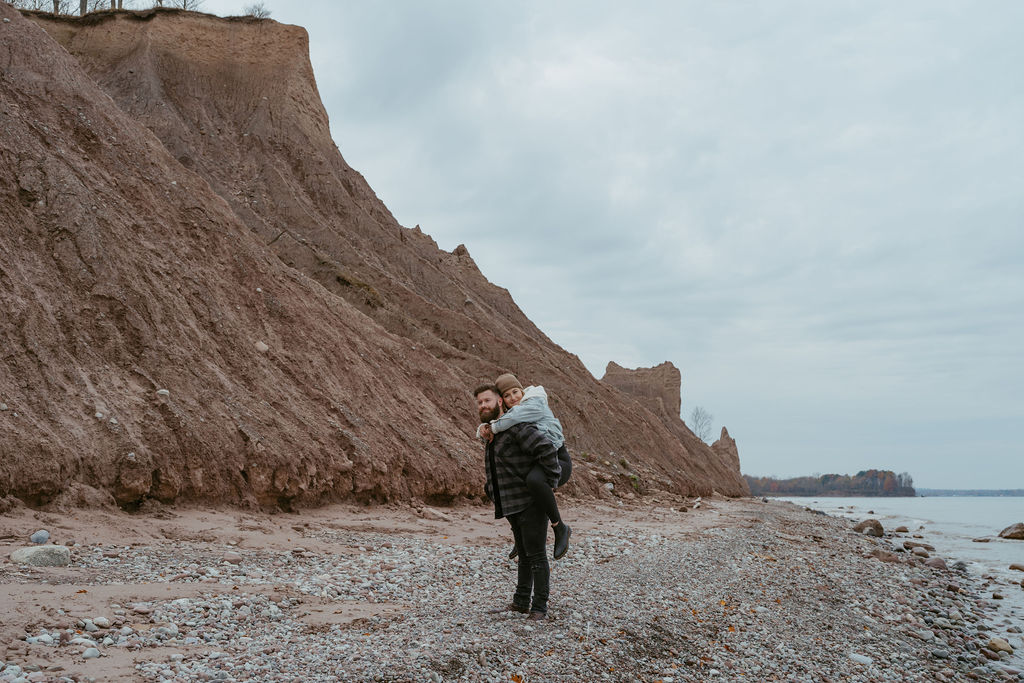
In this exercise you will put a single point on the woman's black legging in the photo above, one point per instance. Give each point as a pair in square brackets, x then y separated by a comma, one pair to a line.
[542, 492]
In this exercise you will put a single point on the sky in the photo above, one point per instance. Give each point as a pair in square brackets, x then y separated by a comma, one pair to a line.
[814, 210]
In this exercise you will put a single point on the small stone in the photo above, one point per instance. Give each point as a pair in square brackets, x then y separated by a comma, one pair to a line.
[261, 347]
[1017, 567]
[232, 557]
[936, 563]
[611, 487]
[870, 527]
[3, 408]
[940, 654]
[983, 539]
[43, 556]
[40, 537]
[102, 622]
[163, 393]
[999, 645]
[910, 545]
[90, 626]
[91, 653]
[901, 530]
[920, 552]
[997, 596]
[99, 416]
[884, 555]
[861, 659]
[431, 513]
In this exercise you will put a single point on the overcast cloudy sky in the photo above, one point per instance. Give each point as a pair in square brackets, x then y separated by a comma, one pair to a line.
[815, 210]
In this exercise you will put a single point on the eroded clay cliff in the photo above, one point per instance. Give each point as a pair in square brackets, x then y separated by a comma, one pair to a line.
[205, 302]
[659, 389]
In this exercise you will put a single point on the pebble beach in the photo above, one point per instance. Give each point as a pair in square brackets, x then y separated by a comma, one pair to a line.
[732, 589]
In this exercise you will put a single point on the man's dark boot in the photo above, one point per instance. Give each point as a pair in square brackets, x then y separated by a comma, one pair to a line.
[562, 533]
[511, 607]
[537, 616]
[515, 552]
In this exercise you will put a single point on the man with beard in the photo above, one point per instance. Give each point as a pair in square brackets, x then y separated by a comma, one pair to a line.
[510, 456]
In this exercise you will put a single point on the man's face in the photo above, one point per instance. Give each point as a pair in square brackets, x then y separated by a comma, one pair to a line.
[488, 404]
[512, 397]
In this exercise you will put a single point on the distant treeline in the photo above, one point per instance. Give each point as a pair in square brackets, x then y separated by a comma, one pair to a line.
[972, 492]
[866, 483]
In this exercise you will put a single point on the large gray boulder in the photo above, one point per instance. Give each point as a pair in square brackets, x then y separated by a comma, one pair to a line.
[1015, 531]
[43, 556]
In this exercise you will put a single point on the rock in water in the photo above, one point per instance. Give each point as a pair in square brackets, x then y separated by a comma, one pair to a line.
[43, 556]
[40, 537]
[1015, 532]
[861, 659]
[871, 527]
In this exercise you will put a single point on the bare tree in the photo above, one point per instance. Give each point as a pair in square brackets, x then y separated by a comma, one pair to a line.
[257, 10]
[192, 5]
[55, 6]
[700, 423]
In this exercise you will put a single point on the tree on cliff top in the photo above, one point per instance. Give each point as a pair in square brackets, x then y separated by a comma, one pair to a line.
[257, 10]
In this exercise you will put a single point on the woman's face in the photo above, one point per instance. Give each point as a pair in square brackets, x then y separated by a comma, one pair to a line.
[512, 397]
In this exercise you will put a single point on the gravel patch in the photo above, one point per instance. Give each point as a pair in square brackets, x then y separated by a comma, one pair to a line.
[779, 594]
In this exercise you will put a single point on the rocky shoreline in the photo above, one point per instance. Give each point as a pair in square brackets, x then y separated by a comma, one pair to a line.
[735, 590]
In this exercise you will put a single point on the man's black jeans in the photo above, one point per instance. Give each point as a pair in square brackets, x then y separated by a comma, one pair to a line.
[530, 529]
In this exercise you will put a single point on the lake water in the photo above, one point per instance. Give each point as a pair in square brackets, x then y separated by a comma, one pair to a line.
[950, 524]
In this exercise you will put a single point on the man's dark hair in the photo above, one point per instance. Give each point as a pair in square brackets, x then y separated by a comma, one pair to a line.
[486, 387]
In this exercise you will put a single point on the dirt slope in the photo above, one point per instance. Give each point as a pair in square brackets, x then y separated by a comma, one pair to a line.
[158, 237]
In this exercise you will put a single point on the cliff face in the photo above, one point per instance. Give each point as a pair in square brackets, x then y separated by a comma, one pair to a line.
[177, 217]
[660, 390]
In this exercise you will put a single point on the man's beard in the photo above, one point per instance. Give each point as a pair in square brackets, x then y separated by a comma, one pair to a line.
[488, 415]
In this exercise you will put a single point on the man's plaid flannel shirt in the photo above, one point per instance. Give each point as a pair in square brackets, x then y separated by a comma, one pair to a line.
[509, 458]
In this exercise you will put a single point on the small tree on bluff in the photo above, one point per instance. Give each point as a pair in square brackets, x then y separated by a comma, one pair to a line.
[700, 423]
[257, 10]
